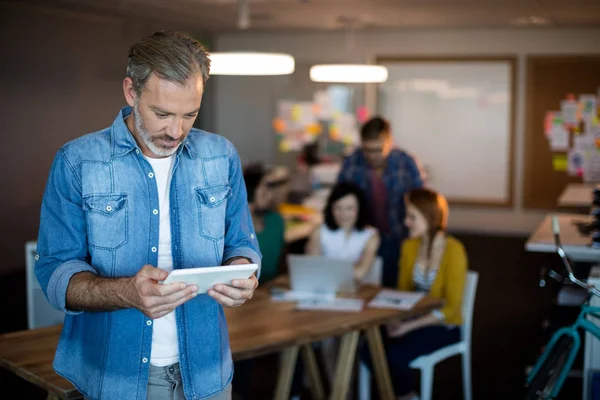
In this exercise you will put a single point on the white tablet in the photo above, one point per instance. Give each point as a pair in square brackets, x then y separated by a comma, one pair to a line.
[207, 277]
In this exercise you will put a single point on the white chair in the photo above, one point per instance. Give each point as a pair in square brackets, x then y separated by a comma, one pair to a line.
[426, 363]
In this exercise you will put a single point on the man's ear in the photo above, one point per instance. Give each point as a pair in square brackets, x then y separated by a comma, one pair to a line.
[129, 91]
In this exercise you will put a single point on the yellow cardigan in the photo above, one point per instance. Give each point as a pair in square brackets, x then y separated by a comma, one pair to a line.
[449, 283]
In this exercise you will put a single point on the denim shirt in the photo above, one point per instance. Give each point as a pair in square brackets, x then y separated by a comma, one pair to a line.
[401, 175]
[98, 215]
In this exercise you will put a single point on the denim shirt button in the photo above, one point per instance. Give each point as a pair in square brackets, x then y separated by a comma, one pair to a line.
[137, 151]
[252, 236]
[149, 322]
[155, 211]
[150, 175]
[153, 249]
[144, 360]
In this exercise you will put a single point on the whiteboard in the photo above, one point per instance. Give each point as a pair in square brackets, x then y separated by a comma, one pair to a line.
[455, 118]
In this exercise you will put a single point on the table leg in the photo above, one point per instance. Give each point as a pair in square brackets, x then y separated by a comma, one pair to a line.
[310, 363]
[289, 357]
[345, 365]
[380, 365]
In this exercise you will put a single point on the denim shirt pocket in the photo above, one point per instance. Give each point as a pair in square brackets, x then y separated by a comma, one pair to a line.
[106, 220]
[212, 205]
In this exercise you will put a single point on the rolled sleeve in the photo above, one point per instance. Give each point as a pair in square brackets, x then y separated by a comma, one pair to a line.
[59, 281]
[62, 241]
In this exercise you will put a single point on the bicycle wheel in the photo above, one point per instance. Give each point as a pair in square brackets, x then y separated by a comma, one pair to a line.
[544, 381]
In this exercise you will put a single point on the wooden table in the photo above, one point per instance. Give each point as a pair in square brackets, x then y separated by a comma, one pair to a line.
[259, 327]
[577, 197]
[576, 245]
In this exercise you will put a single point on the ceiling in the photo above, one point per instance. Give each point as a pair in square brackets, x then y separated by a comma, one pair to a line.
[223, 16]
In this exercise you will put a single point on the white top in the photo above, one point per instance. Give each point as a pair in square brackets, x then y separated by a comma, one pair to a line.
[165, 350]
[335, 244]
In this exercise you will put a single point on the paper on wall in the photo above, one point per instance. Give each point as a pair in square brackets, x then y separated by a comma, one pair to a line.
[569, 110]
[322, 101]
[559, 162]
[575, 162]
[552, 119]
[559, 138]
[589, 107]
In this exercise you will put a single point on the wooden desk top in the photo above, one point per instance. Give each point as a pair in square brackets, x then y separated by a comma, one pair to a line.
[576, 245]
[577, 195]
[258, 327]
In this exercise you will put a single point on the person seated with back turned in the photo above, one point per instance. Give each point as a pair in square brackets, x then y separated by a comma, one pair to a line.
[433, 262]
[345, 235]
[270, 229]
[268, 223]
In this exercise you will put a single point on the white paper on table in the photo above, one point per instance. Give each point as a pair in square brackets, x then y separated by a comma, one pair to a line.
[589, 106]
[569, 109]
[395, 299]
[559, 138]
[278, 295]
[336, 304]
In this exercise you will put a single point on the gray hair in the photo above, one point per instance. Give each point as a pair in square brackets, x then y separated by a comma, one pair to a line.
[171, 55]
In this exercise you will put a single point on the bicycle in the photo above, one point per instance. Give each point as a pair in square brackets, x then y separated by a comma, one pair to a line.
[551, 369]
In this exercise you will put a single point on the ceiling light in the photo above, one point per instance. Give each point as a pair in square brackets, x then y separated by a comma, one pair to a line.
[348, 73]
[247, 63]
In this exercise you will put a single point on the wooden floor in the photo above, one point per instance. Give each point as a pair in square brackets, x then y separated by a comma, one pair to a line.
[510, 310]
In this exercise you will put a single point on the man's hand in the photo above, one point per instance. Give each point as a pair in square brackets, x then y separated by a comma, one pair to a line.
[154, 299]
[240, 290]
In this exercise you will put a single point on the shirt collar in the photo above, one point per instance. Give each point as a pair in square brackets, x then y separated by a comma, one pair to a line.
[123, 140]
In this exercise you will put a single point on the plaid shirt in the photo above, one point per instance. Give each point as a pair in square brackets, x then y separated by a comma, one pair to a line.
[401, 175]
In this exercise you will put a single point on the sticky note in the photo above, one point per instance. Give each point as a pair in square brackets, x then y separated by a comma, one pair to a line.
[279, 125]
[559, 162]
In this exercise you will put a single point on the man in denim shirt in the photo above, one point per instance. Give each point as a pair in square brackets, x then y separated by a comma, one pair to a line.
[386, 175]
[125, 205]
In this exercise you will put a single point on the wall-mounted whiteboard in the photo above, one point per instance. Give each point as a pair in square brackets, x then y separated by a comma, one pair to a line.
[455, 116]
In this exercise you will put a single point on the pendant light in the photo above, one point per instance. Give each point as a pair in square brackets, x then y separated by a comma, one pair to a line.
[349, 73]
[250, 63]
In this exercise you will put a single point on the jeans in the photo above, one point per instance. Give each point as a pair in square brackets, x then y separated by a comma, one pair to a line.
[401, 351]
[164, 383]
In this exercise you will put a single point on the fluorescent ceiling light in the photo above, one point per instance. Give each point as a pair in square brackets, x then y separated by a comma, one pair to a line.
[348, 73]
[247, 63]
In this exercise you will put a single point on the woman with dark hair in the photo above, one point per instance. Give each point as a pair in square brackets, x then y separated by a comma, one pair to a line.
[346, 234]
[433, 262]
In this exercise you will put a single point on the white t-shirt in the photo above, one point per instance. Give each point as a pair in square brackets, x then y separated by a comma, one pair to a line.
[165, 350]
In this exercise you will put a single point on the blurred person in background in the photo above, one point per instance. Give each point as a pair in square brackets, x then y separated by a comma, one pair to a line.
[433, 262]
[385, 174]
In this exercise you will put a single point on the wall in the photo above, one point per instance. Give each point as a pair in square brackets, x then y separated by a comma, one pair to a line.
[60, 77]
[252, 118]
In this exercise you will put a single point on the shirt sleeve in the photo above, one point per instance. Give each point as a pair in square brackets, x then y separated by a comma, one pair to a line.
[456, 276]
[415, 172]
[240, 237]
[62, 237]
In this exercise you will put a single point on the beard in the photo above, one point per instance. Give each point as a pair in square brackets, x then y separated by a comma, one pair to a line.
[148, 139]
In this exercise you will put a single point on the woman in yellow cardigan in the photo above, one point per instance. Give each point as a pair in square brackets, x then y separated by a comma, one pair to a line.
[433, 262]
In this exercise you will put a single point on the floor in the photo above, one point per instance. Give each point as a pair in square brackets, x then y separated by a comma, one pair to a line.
[510, 312]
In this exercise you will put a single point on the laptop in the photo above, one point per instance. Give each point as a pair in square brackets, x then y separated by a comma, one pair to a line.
[320, 274]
